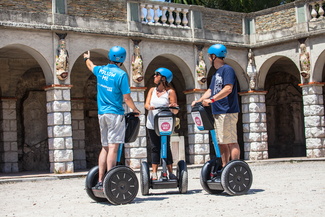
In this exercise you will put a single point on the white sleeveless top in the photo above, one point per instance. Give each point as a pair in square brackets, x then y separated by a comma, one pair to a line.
[156, 101]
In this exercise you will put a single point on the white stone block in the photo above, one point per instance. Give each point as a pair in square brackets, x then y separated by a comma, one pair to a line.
[257, 127]
[66, 95]
[62, 131]
[313, 121]
[68, 143]
[138, 152]
[63, 155]
[314, 143]
[67, 117]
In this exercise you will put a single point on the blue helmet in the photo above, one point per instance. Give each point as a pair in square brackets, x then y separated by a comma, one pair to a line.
[218, 49]
[117, 54]
[165, 72]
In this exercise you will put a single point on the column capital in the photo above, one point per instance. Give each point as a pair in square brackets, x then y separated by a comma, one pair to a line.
[58, 86]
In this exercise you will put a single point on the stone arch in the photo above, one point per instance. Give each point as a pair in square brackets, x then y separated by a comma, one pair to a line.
[182, 80]
[13, 51]
[284, 109]
[32, 122]
[319, 68]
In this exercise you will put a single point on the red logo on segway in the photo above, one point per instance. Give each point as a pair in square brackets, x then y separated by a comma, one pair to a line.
[165, 126]
[198, 121]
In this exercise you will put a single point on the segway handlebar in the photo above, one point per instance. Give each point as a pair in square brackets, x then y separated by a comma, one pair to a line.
[166, 107]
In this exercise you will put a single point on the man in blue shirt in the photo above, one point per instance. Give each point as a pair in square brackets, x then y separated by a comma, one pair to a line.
[112, 88]
[223, 97]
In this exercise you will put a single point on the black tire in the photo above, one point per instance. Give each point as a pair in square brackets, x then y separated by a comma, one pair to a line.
[120, 185]
[236, 177]
[91, 181]
[182, 177]
[144, 178]
[205, 176]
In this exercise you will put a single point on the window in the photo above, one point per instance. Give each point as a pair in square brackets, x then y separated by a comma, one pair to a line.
[60, 6]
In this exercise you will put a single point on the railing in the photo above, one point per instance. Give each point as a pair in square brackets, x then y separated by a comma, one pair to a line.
[317, 10]
[164, 15]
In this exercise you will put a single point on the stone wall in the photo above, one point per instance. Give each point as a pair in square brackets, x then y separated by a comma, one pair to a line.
[224, 21]
[27, 5]
[114, 10]
[275, 20]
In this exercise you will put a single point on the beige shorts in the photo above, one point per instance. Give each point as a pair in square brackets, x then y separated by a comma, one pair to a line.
[112, 128]
[226, 127]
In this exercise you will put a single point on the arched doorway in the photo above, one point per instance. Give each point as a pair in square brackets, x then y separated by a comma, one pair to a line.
[284, 110]
[32, 122]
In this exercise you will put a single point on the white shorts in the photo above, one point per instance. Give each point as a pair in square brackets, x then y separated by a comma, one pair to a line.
[112, 128]
[226, 127]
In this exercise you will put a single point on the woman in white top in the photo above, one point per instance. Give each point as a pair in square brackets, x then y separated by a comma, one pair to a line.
[162, 95]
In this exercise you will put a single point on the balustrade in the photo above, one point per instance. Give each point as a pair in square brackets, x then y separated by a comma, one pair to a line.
[317, 10]
[164, 15]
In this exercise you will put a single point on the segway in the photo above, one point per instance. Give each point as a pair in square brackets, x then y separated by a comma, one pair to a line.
[236, 177]
[120, 185]
[164, 122]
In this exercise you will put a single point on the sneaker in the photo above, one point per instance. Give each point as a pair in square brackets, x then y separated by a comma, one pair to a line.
[154, 176]
[172, 176]
[98, 186]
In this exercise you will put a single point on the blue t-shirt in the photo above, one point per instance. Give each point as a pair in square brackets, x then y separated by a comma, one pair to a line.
[223, 76]
[112, 83]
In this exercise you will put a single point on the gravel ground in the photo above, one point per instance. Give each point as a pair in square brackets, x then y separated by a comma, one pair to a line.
[279, 189]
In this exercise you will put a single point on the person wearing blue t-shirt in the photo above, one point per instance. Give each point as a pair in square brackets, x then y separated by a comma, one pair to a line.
[112, 88]
[223, 97]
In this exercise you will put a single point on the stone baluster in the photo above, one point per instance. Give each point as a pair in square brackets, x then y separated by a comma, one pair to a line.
[163, 16]
[254, 125]
[321, 10]
[171, 17]
[156, 14]
[314, 119]
[142, 6]
[185, 20]
[178, 18]
[59, 128]
[149, 16]
[313, 12]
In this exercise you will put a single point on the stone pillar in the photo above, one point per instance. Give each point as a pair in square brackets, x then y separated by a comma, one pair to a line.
[254, 125]
[137, 151]
[59, 128]
[199, 147]
[8, 136]
[78, 133]
[314, 119]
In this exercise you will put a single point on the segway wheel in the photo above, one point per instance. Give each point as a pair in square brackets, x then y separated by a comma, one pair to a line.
[120, 185]
[236, 178]
[145, 178]
[205, 176]
[91, 181]
[182, 177]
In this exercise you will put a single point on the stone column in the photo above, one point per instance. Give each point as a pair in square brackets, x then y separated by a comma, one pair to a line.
[8, 136]
[314, 119]
[78, 133]
[199, 148]
[137, 151]
[59, 128]
[254, 125]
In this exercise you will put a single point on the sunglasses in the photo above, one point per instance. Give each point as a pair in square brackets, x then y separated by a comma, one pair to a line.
[157, 74]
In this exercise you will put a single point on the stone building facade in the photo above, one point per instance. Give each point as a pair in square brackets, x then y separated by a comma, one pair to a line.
[48, 113]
